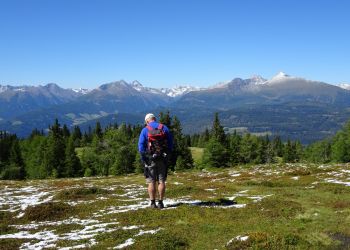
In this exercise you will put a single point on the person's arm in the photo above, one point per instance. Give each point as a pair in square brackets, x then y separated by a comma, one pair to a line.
[142, 145]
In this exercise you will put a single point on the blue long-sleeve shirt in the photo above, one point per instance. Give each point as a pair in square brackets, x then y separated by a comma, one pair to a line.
[143, 139]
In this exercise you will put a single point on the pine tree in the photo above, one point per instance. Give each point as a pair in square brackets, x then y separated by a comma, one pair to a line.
[278, 146]
[216, 153]
[16, 169]
[262, 145]
[180, 147]
[234, 149]
[165, 119]
[246, 149]
[340, 148]
[72, 162]
[55, 152]
[65, 132]
[217, 131]
[98, 130]
[77, 136]
[289, 152]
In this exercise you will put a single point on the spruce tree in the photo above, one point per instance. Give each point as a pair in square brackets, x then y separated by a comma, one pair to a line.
[218, 131]
[77, 136]
[234, 148]
[180, 147]
[16, 162]
[98, 130]
[216, 153]
[72, 162]
[55, 152]
[165, 119]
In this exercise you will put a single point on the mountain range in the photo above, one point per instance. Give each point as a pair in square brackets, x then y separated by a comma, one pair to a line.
[292, 107]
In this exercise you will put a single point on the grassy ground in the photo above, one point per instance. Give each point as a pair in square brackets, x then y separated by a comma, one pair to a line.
[283, 206]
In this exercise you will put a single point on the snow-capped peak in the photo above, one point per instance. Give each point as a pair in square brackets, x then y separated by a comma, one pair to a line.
[81, 91]
[137, 85]
[257, 79]
[3, 88]
[281, 75]
[344, 86]
[179, 90]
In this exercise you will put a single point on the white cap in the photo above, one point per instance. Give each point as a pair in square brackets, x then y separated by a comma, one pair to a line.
[149, 116]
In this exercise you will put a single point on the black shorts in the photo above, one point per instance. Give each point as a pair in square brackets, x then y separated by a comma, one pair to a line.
[156, 171]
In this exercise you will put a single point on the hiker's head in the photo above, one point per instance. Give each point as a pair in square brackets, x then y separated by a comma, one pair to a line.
[149, 118]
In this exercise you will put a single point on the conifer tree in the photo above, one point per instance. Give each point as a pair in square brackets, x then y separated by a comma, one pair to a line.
[215, 153]
[98, 130]
[55, 152]
[165, 119]
[234, 148]
[16, 169]
[289, 152]
[72, 162]
[180, 147]
[65, 132]
[77, 136]
[218, 131]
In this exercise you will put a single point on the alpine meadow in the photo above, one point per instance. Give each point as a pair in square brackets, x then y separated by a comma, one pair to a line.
[199, 125]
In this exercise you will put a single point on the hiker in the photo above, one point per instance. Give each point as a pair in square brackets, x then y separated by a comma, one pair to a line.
[155, 146]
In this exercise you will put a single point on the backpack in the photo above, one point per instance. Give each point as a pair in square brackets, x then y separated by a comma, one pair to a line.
[157, 140]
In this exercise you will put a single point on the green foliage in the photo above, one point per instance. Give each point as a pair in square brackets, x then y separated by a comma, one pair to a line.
[215, 154]
[72, 162]
[181, 149]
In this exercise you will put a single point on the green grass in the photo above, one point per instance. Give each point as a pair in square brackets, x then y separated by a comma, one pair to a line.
[281, 212]
[197, 154]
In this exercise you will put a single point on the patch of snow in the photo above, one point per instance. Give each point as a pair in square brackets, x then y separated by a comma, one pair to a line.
[257, 80]
[20, 198]
[280, 76]
[338, 182]
[81, 91]
[235, 175]
[128, 242]
[142, 232]
[258, 198]
[239, 238]
[344, 86]
[295, 178]
[179, 90]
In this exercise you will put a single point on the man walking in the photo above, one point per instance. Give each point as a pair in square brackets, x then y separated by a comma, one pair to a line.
[155, 144]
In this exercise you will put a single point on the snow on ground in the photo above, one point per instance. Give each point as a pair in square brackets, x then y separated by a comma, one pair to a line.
[131, 241]
[238, 238]
[16, 199]
[346, 183]
[49, 238]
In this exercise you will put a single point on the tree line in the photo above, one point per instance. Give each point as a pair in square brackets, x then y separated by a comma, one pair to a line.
[224, 150]
[113, 150]
[71, 153]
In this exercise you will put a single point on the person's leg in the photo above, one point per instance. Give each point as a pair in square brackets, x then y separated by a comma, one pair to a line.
[151, 180]
[162, 170]
[152, 190]
[161, 190]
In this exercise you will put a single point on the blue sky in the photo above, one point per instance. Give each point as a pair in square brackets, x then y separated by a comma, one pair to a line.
[164, 43]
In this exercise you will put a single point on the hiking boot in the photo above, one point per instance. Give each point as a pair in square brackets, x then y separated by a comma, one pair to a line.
[160, 205]
[153, 205]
